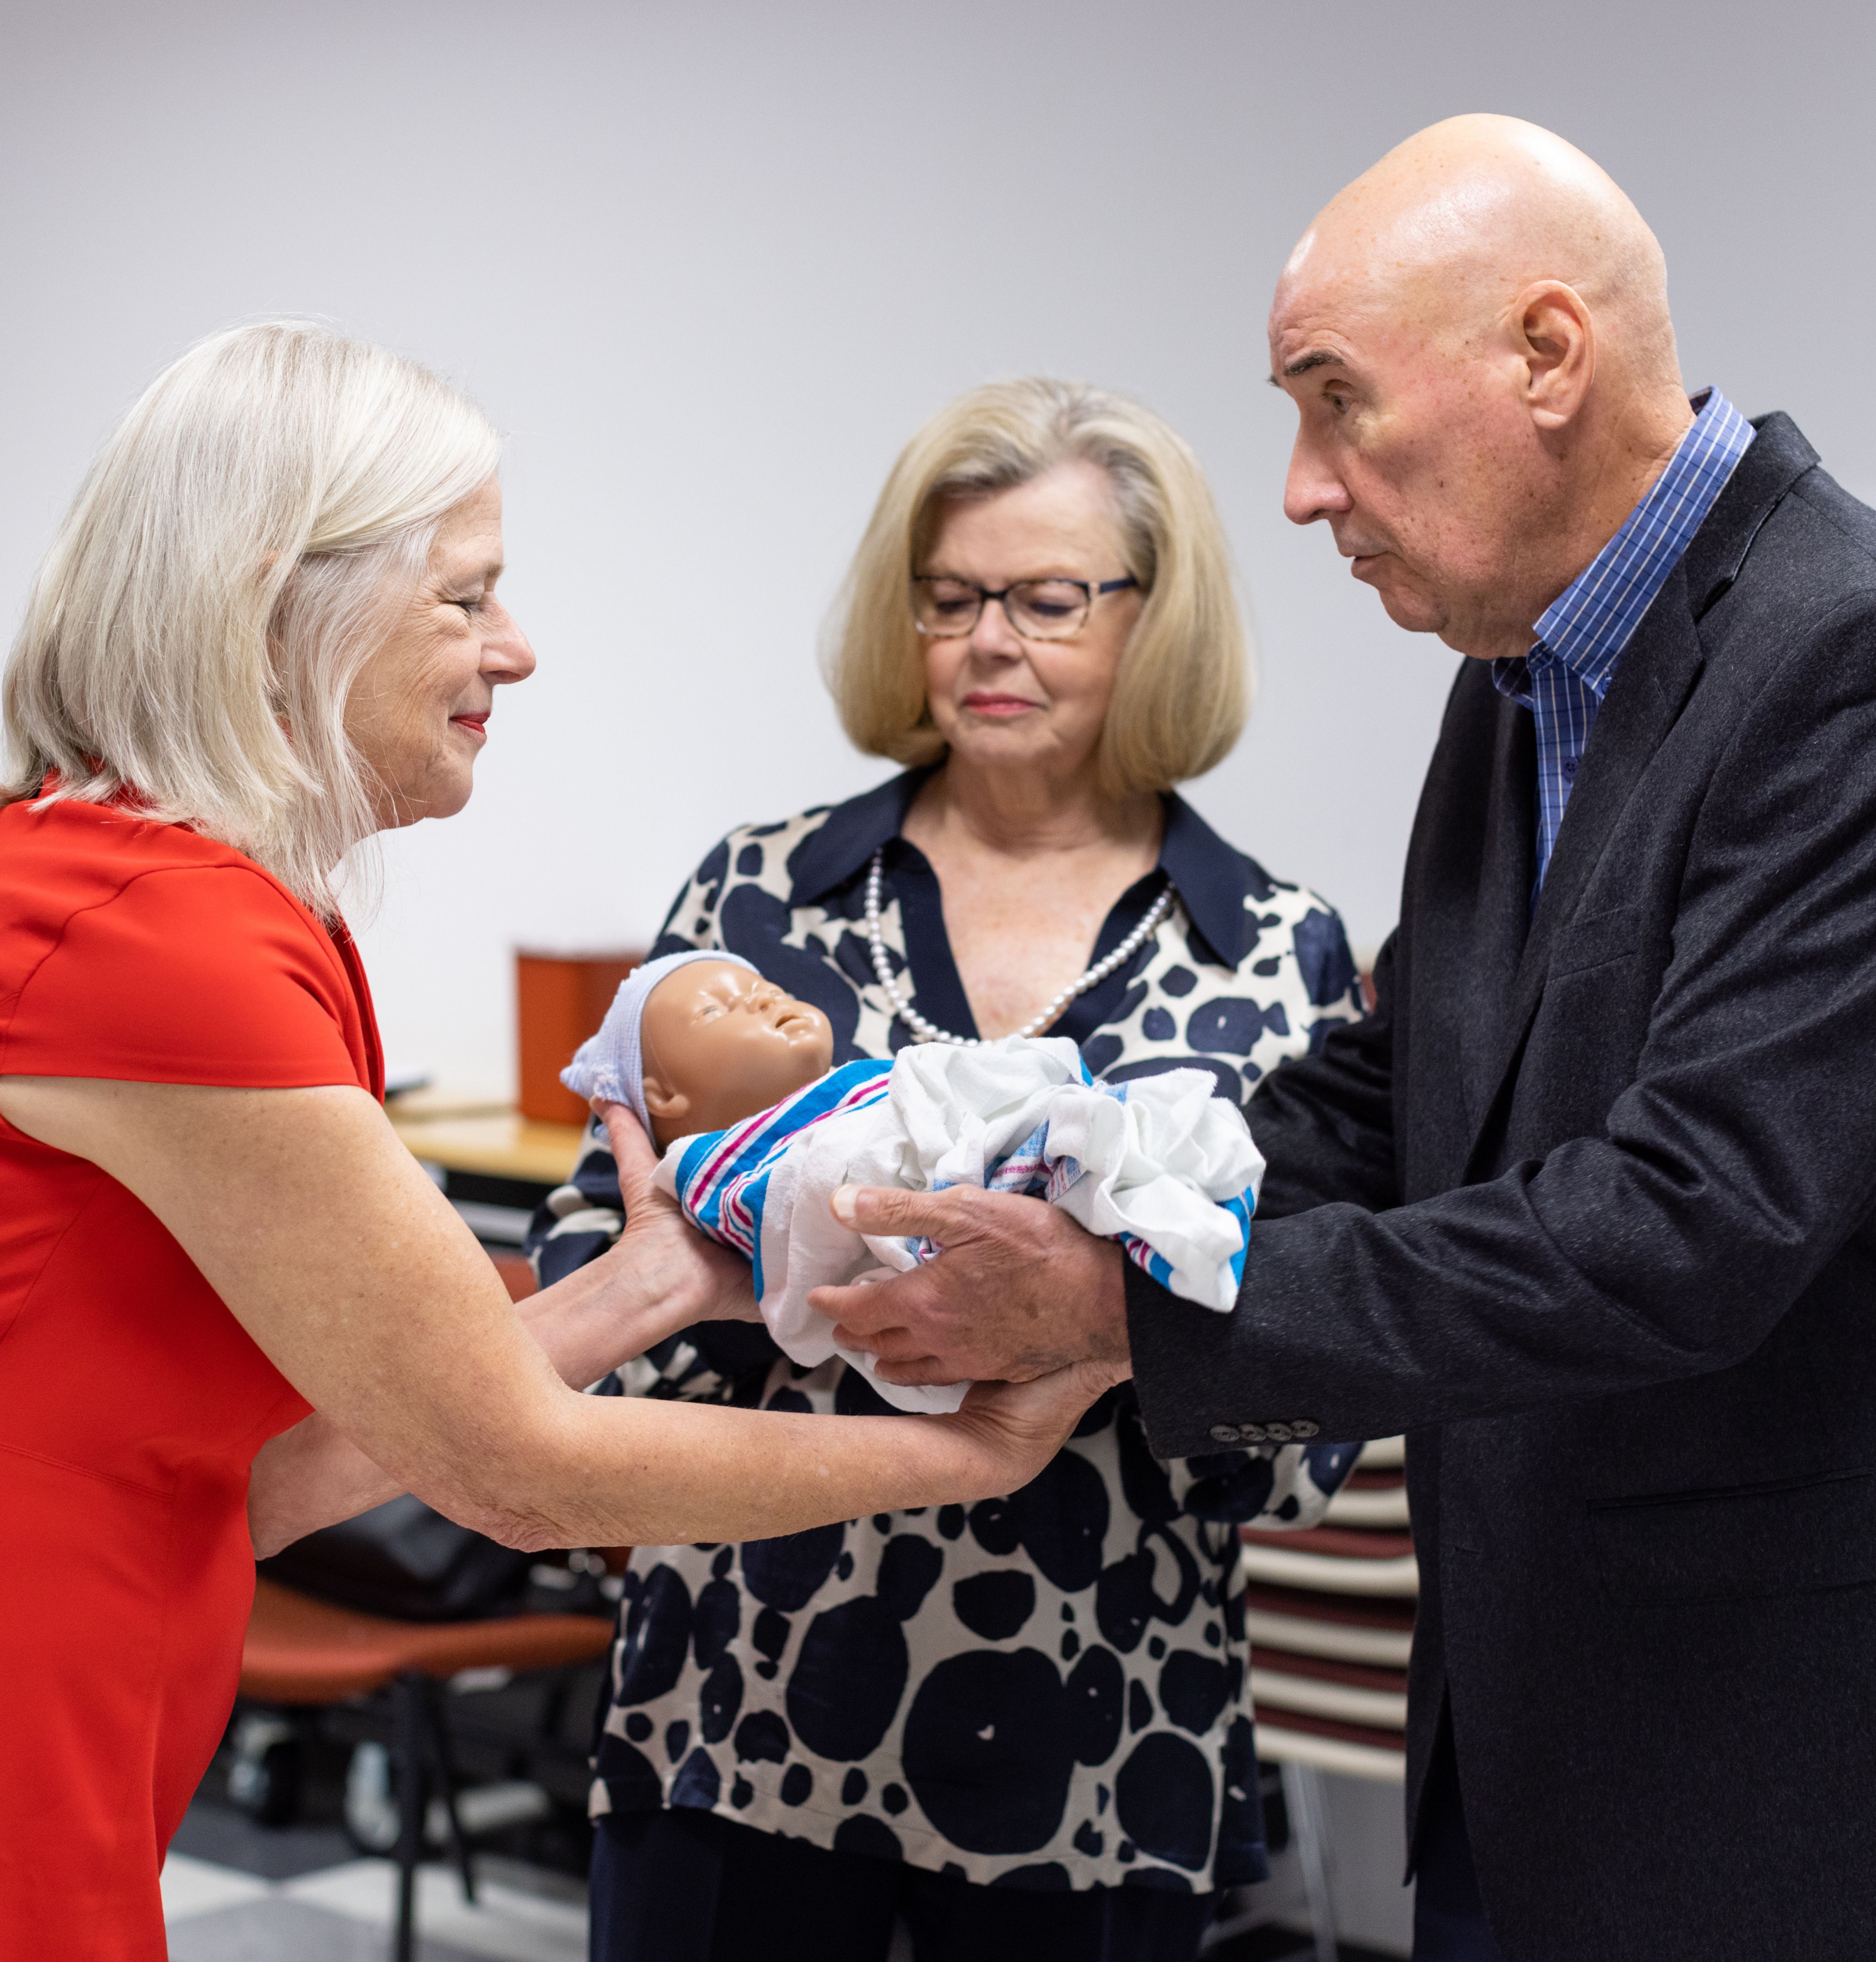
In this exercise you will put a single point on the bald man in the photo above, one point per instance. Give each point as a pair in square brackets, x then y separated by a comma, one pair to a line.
[1585, 1205]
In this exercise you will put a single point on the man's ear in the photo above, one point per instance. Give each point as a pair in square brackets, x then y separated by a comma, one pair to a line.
[1555, 335]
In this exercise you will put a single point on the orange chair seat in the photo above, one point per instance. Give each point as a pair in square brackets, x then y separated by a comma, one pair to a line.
[301, 1651]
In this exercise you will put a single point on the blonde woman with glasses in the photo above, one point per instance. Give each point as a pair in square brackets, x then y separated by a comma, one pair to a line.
[1022, 1727]
[233, 1308]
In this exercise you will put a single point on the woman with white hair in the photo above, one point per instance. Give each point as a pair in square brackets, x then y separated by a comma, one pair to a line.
[233, 1308]
[1023, 1728]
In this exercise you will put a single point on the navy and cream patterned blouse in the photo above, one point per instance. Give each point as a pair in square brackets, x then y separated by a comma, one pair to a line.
[1045, 1690]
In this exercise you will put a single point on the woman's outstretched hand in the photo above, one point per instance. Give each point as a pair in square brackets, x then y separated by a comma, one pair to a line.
[1021, 1426]
[691, 1278]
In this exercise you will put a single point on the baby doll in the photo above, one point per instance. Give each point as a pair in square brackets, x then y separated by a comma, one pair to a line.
[730, 1078]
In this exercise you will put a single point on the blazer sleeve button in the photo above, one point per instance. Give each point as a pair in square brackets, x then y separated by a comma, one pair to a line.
[1253, 1433]
[1224, 1433]
[1303, 1428]
[1277, 1433]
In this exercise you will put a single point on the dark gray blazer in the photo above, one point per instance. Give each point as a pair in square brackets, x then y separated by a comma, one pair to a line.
[1585, 1207]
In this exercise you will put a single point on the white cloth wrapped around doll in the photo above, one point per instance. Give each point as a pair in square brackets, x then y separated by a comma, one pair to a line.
[1159, 1163]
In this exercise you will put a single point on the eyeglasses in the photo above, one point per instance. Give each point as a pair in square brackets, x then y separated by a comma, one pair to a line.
[1038, 609]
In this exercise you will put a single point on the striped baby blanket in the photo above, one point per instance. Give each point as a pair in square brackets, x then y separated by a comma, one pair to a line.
[1159, 1163]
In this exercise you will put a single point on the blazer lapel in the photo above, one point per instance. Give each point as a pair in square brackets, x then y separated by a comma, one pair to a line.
[1502, 919]
[1650, 687]
[1657, 672]
[1645, 698]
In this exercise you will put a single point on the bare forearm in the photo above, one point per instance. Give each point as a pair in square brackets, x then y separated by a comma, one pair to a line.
[310, 1477]
[313, 1475]
[633, 1471]
[609, 1310]
[618, 1471]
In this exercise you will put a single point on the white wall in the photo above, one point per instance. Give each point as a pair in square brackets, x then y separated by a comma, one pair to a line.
[710, 263]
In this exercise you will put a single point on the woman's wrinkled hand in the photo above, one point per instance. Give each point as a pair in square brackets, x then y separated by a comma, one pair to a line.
[1021, 1426]
[691, 1278]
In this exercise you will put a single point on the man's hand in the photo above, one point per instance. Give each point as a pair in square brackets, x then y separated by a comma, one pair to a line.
[1019, 1289]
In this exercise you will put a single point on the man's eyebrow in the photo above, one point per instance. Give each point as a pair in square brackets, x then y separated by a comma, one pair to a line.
[1317, 357]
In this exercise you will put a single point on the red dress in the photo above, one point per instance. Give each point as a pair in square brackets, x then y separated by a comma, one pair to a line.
[132, 1402]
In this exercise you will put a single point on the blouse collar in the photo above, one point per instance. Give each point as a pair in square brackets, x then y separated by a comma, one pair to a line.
[1220, 887]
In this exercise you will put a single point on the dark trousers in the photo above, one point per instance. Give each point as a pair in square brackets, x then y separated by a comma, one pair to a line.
[1449, 1923]
[685, 1886]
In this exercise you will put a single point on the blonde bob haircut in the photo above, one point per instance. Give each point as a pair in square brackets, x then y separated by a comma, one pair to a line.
[1183, 690]
[237, 553]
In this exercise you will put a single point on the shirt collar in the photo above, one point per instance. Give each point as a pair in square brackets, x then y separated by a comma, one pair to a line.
[1219, 886]
[1594, 617]
[832, 853]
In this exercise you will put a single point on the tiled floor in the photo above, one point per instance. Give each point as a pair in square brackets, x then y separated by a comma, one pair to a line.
[344, 1914]
[236, 1891]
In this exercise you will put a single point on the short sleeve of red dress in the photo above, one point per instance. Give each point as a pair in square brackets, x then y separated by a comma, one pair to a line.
[132, 1401]
[204, 974]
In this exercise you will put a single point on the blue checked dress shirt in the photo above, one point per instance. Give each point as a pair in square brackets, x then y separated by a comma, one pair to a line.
[1581, 637]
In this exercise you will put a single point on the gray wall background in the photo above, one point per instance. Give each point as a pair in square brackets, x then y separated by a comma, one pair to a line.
[711, 263]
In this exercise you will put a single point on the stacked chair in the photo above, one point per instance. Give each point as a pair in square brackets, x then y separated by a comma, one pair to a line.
[1330, 1615]
[1329, 1611]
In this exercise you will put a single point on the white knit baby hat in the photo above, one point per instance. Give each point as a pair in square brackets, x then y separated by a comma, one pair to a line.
[611, 1063]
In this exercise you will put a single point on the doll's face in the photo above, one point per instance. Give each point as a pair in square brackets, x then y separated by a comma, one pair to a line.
[721, 1044]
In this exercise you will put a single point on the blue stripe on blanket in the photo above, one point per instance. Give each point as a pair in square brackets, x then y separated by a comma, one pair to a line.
[723, 1176]
[1240, 1209]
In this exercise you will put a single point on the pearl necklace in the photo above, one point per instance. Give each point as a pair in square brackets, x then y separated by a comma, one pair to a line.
[926, 1032]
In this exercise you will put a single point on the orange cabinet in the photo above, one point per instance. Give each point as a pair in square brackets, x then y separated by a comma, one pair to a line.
[560, 1000]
